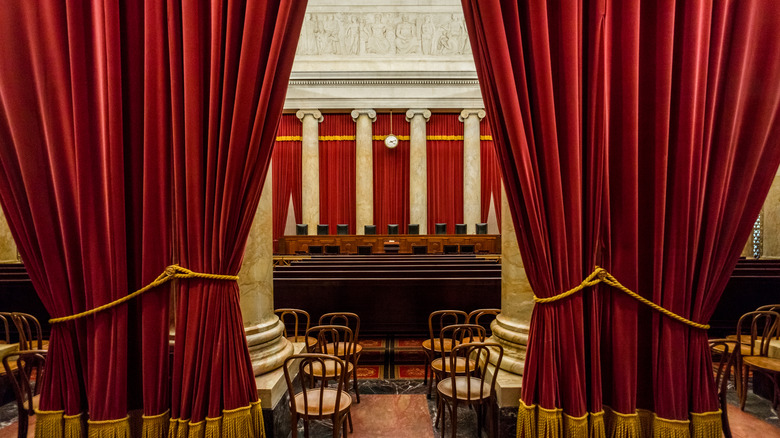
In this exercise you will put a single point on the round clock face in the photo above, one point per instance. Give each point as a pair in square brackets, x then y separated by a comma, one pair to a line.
[391, 141]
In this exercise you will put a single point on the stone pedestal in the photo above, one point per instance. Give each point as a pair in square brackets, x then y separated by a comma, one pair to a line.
[418, 168]
[310, 167]
[510, 328]
[264, 331]
[472, 181]
[364, 168]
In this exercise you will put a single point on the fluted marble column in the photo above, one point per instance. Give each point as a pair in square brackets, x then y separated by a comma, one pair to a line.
[364, 168]
[418, 168]
[268, 347]
[510, 329]
[472, 207]
[310, 167]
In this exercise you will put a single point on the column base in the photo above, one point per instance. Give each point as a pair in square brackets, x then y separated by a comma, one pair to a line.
[508, 388]
[268, 348]
[275, 399]
[513, 338]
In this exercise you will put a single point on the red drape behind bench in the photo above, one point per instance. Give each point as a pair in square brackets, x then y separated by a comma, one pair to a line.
[286, 174]
[445, 171]
[337, 171]
[391, 173]
[642, 137]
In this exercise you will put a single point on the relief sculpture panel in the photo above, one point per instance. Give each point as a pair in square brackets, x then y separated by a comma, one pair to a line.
[360, 34]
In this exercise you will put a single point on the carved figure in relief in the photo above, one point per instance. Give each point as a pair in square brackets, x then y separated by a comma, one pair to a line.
[329, 35]
[406, 39]
[375, 35]
[451, 38]
[427, 31]
[350, 41]
[306, 45]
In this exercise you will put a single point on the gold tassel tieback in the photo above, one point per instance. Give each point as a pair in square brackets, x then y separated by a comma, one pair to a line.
[600, 275]
[170, 273]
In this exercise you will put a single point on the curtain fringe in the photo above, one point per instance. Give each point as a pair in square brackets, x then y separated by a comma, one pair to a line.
[534, 421]
[49, 424]
[244, 422]
[155, 426]
[119, 428]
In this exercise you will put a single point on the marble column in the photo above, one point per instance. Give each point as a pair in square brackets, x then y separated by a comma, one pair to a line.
[7, 245]
[310, 167]
[364, 168]
[510, 329]
[268, 348]
[771, 220]
[418, 168]
[472, 182]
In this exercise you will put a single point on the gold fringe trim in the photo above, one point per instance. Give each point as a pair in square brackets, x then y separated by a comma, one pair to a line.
[243, 422]
[336, 137]
[534, 421]
[382, 137]
[117, 428]
[289, 138]
[155, 426]
[49, 424]
[74, 425]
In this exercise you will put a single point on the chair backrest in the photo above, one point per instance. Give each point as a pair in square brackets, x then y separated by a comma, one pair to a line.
[460, 228]
[773, 308]
[392, 228]
[439, 319]
[306, 366]
[726, 360]
[413, 229]
[419, 249]
[369, 229]
[483, 317]
[29, 364]
[301, 229]
[6, 326]
[30, 332]
[441, 228]
[480, 353]
[348, 319]
[333, 334]
[323, 229]
[756, 329]
[342, 229]
[294, 315]
[315, 249]
[481, 228]
[457, 333]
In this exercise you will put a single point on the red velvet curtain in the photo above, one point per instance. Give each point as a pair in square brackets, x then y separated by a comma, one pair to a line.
[642, 137]
[337, 171]
[445, 170]
[286, 174]
[92, 96]
[490, 174]
[391, 173]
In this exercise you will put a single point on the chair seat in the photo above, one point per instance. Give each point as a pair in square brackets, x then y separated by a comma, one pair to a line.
[473, 340]
[460, 365]
[426, 345]
[744, 349]
[342, 350]
[330, 369]
[328, 402]
[310, 342]
[465, 392]
[769, 364]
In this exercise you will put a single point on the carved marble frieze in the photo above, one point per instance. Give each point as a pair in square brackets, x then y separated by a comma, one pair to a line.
[384, 34]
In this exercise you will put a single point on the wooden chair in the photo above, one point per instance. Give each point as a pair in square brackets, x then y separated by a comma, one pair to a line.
[723, 349]
[25, 369]
[294, 315]
[320, 402]
[7, 327]
[436, 321]
[472, 386]
[351, 320]
[455, 335]
[763, 327]
[483, 317]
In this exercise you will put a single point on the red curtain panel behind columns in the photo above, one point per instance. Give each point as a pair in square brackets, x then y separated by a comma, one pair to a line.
[445, 170]
[286, 174]
[679, 145]
[337, 171]
[391, 173]
[490, 174]
[229, 82]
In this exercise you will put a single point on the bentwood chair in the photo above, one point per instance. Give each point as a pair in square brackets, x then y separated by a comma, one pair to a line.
[723, 350]
[454, 335]
[28, 329]
[25, 370]
[327, 336]
[432, 346]
[341, 349]
[291, 319]
[484, 318]
[471, 386]
[763, 327]
[322, 401]
[7, 338]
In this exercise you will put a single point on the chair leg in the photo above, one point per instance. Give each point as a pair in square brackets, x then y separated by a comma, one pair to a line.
[454, 417]
[23, 423]
[349, 418]
[294, 426]
[427, 365]
[355, 380]
[305, 427]
[743, 395]
[478, 410]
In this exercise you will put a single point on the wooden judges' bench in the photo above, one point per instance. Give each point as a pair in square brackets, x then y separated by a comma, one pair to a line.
[483, 243]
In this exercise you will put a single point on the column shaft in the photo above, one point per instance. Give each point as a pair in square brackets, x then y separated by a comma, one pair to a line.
[310, 167]
[472, 180]
[418, 168]
[364, 168]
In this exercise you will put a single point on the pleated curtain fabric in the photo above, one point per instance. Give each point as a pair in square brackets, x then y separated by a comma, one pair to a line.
[444, 149]
[337, 172]
[641, 137]
[122, 126]
[391, 173]
[286, 174]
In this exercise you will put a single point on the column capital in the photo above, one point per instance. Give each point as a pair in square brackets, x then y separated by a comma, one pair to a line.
[310, 112]
[466, 113]
[363, 111]
[410, 114]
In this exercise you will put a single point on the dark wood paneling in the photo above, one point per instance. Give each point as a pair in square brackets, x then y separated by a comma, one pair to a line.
[483, 243]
